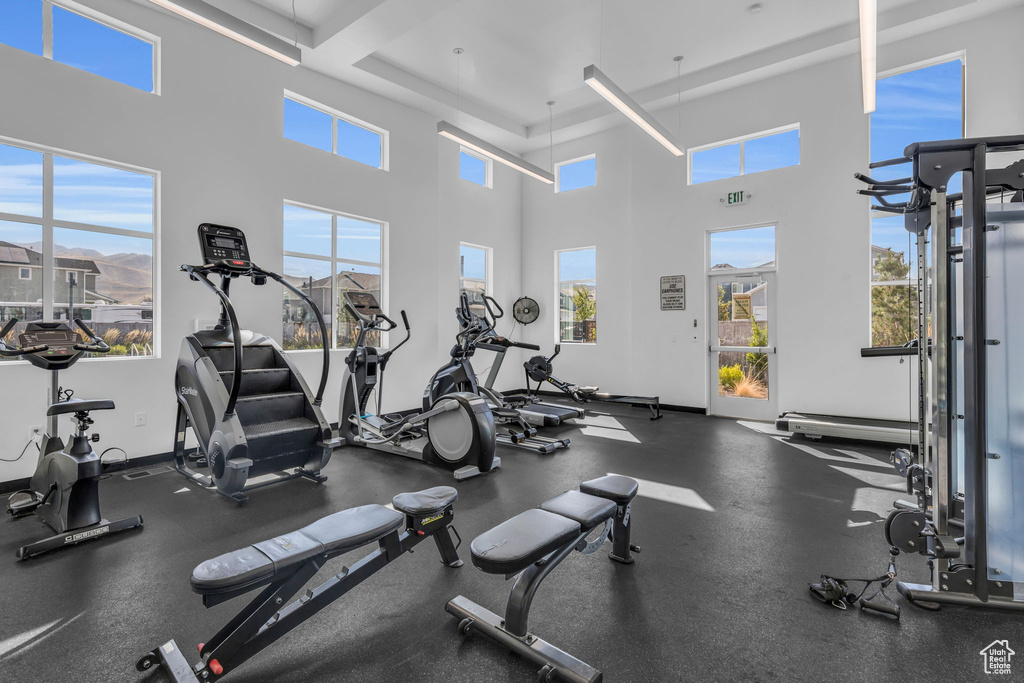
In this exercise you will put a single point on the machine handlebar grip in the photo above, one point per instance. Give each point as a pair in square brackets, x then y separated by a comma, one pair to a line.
[7, 328]
[524, 345]
[881, 606]
[97, 346]
[405, 319]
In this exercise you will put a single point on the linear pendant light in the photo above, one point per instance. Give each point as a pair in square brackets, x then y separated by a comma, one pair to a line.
[605, 87]
[447, 130]
[868, 51]
[231, 26]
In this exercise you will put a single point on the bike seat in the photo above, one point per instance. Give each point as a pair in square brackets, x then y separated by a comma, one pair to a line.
[79, 405]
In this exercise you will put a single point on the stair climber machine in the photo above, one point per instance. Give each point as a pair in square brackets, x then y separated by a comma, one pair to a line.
[458, 376]
[247, 404]
[64, 491]
[456, 432]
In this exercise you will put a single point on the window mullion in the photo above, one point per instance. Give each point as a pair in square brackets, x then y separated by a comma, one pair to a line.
[47, 29]
[334, 135]
[48, 285]
[743, 147]
[335, 302]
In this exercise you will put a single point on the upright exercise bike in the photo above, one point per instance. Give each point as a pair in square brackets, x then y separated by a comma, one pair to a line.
[64, 491]
[456, 431]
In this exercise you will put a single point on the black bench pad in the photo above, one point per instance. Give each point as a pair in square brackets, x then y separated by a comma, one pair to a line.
[425, 502]
[588, 510]
[78, 405]
[517, 543]
[338, 533]
[613, 487]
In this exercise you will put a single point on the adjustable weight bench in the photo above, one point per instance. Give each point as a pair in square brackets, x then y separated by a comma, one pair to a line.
[528, 547]
[283, 565]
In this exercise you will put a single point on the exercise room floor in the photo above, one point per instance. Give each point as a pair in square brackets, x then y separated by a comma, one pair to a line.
[739, 523]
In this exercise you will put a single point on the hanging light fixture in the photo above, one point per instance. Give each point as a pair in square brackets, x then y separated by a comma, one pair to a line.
[607, 89]
[868, 51]
[456, 134]
[231, 26]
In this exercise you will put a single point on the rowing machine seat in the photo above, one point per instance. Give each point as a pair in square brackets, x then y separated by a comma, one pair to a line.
[332, 535]
[426, 502]
[514, 545]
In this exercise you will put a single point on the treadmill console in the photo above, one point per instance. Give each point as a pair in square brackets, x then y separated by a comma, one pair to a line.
[364, 303]
[60, 340]
[224, 247]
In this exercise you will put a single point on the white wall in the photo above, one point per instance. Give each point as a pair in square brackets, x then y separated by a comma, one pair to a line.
[646, 222]
[215, 137]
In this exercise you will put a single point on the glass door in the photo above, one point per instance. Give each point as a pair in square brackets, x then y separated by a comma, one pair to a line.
[743, 365]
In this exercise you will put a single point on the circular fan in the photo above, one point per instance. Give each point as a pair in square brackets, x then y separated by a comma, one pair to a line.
[525, 310]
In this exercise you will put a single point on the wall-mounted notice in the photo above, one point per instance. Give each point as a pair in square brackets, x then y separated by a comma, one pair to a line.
[673, 293]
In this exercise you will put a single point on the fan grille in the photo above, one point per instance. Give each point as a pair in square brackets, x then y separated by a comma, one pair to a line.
[525, 310]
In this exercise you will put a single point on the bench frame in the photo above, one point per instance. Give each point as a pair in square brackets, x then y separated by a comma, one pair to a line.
[264, 620]
[512, 632]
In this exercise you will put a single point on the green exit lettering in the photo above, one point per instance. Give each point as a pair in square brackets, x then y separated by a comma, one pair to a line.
[735, 198]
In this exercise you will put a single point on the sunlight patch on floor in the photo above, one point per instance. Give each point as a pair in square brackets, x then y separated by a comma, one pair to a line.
[668, 493]
[605, 427]
[32, 637]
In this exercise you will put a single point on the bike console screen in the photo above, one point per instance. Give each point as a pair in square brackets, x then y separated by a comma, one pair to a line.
[224, 246]
[59, 340]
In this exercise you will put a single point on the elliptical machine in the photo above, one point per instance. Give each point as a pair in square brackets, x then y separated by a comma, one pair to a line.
[64, 491]
[459, 376]
[456, 431]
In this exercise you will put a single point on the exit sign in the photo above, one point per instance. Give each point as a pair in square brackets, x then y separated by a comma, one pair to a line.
[736, 198]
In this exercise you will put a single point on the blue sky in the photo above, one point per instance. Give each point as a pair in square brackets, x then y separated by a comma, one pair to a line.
[314, 128]
[472, 169]
[577, 175]
[747, 248]
[79, 42]
[579, 264]
[472, 262]
[309, 232]
[924, 104]
[759, 154]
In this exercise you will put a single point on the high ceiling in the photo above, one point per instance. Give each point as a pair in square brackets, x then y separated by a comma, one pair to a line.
[519, 54]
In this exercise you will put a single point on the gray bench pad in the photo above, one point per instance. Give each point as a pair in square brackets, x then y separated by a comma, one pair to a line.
[517, 543]
[620, 489]
[425, 502]
[335, 534]
[588, 510]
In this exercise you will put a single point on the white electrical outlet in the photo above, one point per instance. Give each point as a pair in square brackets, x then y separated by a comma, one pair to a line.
[140, 419]
[675, 337]
[35, 432]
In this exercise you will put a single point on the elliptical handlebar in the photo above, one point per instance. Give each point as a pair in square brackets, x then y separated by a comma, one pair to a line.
[11, 350]
[97, 346]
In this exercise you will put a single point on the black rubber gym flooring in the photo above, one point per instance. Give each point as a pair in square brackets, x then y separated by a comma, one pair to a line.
[715, 595]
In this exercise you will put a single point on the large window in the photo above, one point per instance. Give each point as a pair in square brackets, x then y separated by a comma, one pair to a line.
[924, 103]
[75, 35]
[763, 151]
[326, 254]
[78, 245]
[577, 295]
[475, 168]
[319, 126]
[474, 274]
[576, 173]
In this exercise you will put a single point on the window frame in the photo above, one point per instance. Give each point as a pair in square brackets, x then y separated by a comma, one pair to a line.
[558, 292]
[911, 258]
[488, 269]
[570, 162]
[488, 168]
[742, 140]
[104, 20]
[337, 115]
[22, 271]
[47, 224]
[334, 260]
